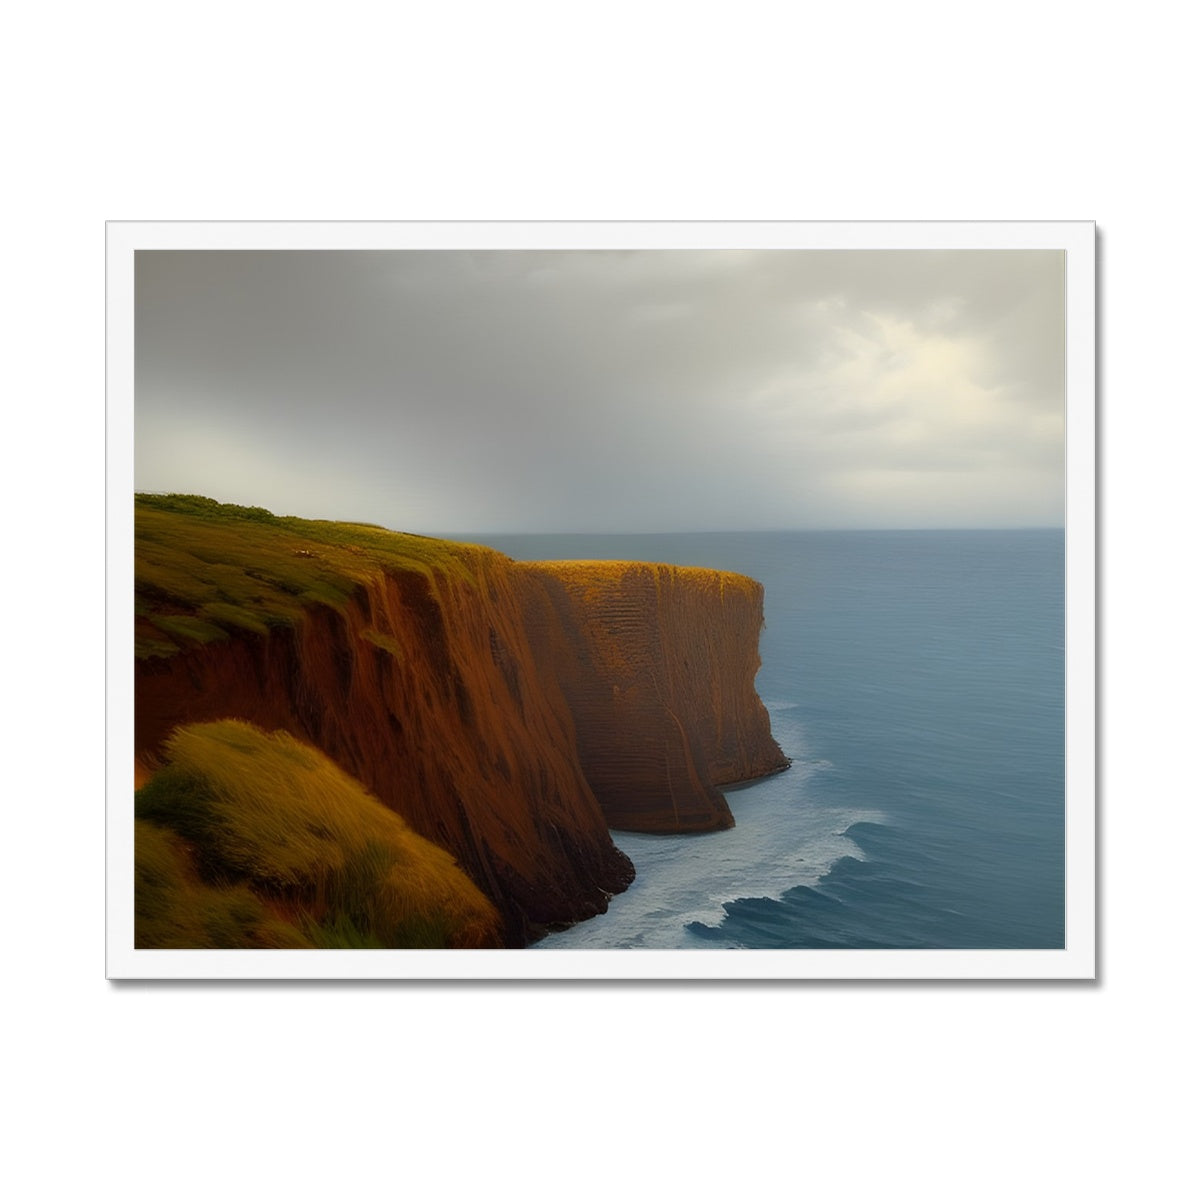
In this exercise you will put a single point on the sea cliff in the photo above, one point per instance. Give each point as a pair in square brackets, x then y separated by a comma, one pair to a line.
[509, 713]
[658, 665]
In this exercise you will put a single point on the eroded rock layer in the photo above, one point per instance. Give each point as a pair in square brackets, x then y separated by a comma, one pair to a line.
[658, 665]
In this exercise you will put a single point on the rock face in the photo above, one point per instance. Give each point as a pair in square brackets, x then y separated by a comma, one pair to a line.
[658, 665]
[509, 712]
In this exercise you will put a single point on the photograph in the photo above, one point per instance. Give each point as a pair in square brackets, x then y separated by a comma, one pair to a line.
[554, 601]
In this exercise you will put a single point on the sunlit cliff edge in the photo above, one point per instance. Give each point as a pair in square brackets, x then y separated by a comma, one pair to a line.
[509, 713]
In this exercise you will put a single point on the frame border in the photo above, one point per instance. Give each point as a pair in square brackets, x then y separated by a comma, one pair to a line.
[1077, 961]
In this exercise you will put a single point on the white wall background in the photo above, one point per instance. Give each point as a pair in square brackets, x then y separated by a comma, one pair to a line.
[620, 110]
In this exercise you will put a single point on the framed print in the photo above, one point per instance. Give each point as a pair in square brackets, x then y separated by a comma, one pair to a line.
[580, 600]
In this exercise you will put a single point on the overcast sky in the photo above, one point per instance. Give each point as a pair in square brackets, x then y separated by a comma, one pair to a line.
[463, 391]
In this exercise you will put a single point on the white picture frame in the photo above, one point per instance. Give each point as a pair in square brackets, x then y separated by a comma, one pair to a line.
[1077, 960]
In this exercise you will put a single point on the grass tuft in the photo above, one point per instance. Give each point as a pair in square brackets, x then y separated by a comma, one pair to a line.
[274, 817]
[174, 909]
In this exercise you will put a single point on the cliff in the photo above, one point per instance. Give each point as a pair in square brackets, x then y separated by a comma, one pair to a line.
[509, 713]
[658, 665]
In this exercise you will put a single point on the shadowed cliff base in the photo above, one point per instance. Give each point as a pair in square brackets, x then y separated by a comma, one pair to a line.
[510, 713]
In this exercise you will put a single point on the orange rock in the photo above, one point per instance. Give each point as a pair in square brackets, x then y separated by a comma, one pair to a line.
[658, 663]
[511, 713]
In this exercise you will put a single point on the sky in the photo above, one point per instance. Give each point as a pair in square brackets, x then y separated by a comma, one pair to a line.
[445, 391]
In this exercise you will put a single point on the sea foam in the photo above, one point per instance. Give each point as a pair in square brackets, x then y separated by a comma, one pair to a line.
[781, 840]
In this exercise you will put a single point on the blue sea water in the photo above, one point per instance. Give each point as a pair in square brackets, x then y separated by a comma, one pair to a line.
[916, 680]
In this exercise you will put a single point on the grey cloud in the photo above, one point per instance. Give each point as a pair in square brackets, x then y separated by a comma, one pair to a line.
[486, 391]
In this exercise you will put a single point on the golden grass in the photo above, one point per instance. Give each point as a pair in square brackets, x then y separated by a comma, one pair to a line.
[273, 814]
[174, 909]
[203, 569]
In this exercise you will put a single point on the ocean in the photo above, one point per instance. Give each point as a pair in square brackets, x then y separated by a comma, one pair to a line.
[916, 681]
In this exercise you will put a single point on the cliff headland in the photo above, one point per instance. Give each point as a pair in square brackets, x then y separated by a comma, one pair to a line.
[501, 716]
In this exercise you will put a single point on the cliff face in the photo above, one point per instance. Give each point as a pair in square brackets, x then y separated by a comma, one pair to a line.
[425, 691]
[509, 712]
[658, 665]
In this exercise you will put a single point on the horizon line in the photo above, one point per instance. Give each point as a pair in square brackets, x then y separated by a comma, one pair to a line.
[474, 533]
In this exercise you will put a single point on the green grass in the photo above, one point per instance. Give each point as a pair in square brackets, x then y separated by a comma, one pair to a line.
[384, 642]
[263, 818]
[191, 629]
[205, 570]
[174, 909]
[153, 647]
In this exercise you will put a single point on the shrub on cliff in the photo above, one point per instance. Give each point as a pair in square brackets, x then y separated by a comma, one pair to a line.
[271, 821]
[175, 909]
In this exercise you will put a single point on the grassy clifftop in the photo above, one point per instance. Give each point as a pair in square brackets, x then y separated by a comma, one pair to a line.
[206, 570]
